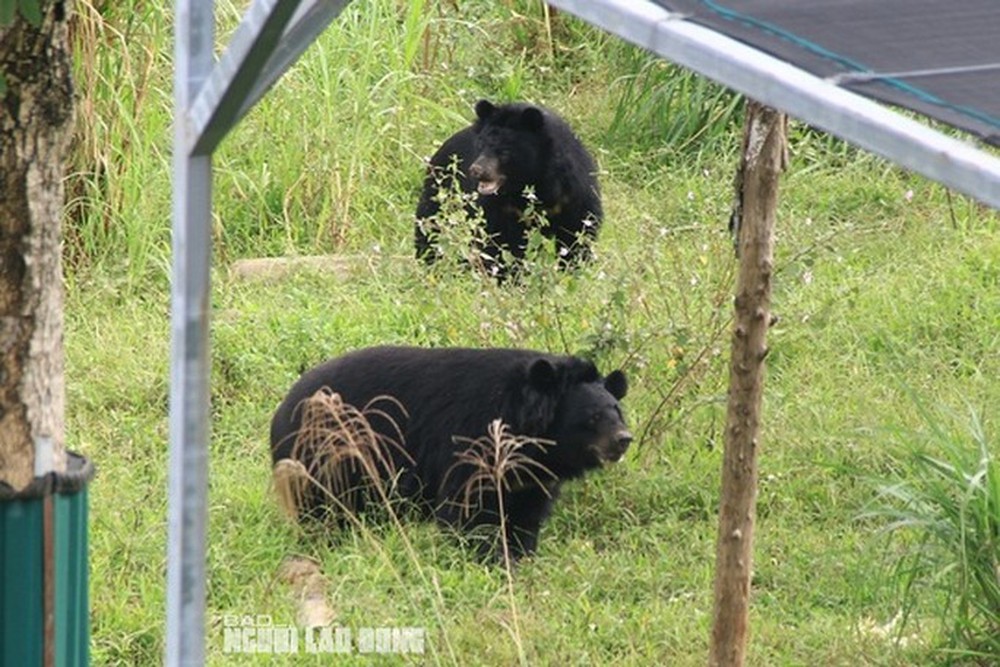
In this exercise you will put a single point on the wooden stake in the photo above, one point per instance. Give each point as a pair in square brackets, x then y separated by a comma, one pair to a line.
[764, 157]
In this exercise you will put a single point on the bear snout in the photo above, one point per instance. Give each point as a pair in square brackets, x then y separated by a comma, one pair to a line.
[622, 440]
[486, 170]
[616, 446]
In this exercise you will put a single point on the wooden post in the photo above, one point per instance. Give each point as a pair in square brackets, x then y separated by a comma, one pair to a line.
[764, 157]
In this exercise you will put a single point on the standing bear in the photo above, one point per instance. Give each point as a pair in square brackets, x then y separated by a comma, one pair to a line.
[514, 162]
[474, 438]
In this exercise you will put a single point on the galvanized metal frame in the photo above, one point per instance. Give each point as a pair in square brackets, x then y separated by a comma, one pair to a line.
[847, 115]
[210, 98]
[191, 211]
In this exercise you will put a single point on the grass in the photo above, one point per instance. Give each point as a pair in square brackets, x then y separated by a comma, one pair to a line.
[943, 511]
[886, 288]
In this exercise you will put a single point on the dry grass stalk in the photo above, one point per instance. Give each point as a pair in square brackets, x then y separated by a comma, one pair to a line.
[498, 463]
[338, 453]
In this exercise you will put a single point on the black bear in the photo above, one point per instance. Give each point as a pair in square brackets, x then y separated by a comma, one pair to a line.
[514, 161]
[433, 416]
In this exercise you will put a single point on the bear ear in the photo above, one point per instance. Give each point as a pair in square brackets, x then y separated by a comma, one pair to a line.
[543, 375]
[484, 109]
[617, 384]
[532, 119]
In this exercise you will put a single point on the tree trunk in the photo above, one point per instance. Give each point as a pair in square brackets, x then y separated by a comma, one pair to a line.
[35, 122]
[763, 159]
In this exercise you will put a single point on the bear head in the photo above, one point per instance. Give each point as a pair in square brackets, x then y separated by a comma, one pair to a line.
[511, 146]
[569, 403]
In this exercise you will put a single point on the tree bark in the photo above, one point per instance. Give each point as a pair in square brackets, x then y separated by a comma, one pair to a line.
[764, 157]
[35, 122]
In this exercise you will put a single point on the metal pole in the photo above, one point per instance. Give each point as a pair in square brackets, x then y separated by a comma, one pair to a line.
[209, 99]
[192, 197]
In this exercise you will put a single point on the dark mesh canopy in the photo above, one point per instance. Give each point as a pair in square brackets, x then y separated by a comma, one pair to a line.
[940, 58]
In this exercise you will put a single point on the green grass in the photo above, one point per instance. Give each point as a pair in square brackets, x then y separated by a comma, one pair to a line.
[943, 508]
[886, 289]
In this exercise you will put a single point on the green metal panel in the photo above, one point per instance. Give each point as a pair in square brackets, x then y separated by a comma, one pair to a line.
[22, 570]
[72, 601]
[21, 598]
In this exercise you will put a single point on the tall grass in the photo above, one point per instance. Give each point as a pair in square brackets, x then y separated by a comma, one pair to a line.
[660, 105]
[943, 506]
[881, 280]
[121, 158]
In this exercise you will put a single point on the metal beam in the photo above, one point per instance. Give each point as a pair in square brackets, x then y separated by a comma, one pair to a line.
[208, 102]
[847, 115]
[220, 102]
[272, 35]
[191, 212]
[311, 19]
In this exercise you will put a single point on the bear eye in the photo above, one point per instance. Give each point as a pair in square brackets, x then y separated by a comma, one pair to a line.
[594, 419]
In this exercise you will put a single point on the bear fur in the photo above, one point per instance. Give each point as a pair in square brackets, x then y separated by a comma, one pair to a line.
[433, 404]
[511, 147]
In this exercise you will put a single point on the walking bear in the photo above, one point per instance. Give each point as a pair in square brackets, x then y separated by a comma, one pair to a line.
[474, 438]
[515, 161]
